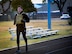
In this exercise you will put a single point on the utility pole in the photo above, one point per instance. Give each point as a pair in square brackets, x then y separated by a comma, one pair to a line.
[49, 14]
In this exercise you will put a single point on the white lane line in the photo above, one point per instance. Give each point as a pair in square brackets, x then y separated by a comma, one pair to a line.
[30, 44]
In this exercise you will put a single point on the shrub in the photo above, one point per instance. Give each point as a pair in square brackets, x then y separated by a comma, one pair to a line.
[70, 21]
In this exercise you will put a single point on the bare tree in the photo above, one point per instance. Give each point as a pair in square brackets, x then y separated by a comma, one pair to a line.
[2, 5]
[60, 4]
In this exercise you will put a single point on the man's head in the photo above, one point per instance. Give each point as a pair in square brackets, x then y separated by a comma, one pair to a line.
[19, 9]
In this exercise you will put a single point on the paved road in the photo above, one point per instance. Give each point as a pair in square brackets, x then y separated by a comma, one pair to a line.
[57, 46]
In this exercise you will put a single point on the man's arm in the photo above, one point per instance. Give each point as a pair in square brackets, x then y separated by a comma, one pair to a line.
[25, 18]
[15, 19]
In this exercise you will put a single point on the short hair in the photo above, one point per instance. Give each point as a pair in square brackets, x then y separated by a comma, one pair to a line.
[19, 6]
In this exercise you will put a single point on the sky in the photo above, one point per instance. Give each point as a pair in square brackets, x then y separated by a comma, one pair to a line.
[36, 1]
[0, 0]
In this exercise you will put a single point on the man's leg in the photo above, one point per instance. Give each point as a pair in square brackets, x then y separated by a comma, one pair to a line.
[18, 37]
[24, 36]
